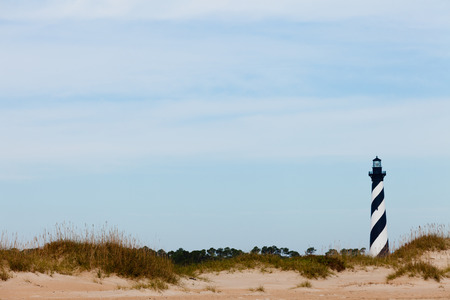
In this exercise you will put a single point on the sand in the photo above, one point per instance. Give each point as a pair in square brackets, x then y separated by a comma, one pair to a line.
[362, 283]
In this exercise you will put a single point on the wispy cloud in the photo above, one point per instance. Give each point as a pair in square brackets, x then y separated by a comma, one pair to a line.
[274, 129]
[238, 90]
[183, 105]
[202, 59]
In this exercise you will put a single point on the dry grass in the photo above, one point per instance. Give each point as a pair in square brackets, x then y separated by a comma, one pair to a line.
[107, 251]
[156, 285]
[258, 289]
[422, 241]
[406, 259]
[212, 288]
[4, 275]
[312, 267]
[68, 251]
[422, 269]
[304, 284]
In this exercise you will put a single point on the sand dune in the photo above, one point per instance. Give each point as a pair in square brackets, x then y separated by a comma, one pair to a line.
[363, 283]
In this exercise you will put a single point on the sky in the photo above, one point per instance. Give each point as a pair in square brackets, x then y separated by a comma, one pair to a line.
[198, 123]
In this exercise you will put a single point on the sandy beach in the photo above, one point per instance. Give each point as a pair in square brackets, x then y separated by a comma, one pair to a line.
[361, 283]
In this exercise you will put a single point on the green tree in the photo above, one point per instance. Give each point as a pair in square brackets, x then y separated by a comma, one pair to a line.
[212, 252]
[255, 250]
[219, 252]
[310, 251]
[227, 252]
[332, 252]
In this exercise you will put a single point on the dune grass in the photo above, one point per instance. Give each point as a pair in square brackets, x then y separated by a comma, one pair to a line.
[69, 251]
[406, 259]
[109, 251]
[4, 275]
[304, 284]
[259, 288]
[212, 288]
[155, 284]
[421, 269]
[311, 266]
[421, 243]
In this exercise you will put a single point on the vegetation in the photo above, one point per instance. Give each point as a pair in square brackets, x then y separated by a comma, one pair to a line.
[183, 258]
[3, 274]
[310, 251]
[406, 259]
[155, 284]
[425, 270]
[67, 252]
[212, 288]
[109, 251]
[304, 284]
[258, 289]
[310, 266]
[431, 241]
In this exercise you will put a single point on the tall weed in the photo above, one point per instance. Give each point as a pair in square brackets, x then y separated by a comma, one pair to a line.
[67, 250]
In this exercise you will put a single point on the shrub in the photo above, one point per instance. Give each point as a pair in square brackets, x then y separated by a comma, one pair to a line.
[423, 269]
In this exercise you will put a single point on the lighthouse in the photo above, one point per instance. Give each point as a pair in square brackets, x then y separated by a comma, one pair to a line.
[379, 244]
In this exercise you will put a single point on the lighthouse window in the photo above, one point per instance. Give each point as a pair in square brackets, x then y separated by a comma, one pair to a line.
[377, 164]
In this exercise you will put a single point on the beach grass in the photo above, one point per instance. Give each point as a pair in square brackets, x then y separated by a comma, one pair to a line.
[406, 259]
[259, 288]
[107, 251]
[421, 269]
[311, 266]
[68, 251]
[304, 284]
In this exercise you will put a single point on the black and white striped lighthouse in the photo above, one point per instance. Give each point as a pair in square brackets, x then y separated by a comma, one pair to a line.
[379, 243]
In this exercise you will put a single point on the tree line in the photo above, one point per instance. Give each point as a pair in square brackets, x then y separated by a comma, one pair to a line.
[184, 257]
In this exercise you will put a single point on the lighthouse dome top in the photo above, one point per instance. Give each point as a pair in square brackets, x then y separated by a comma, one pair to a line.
[377, 162]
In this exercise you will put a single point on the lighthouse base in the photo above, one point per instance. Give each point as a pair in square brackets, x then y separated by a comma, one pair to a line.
[385, 251]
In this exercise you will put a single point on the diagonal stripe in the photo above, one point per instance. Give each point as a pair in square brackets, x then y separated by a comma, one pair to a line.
[377, 214]
[378, 228]
[377, 201]
[379, 244]
[377, 190]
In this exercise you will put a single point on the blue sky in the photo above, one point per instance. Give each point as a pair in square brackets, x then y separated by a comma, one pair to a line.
[202, 124]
